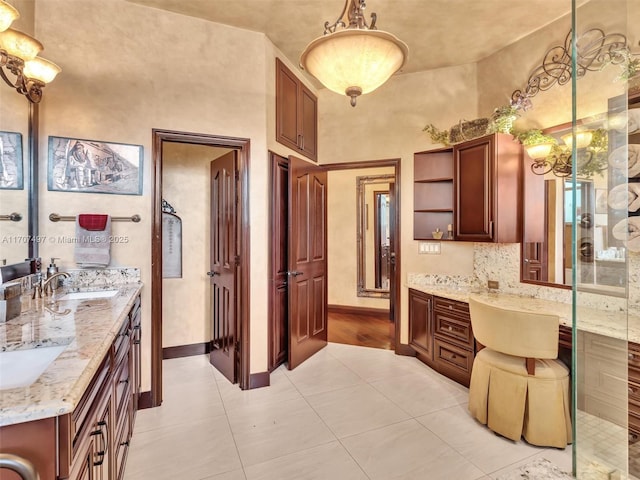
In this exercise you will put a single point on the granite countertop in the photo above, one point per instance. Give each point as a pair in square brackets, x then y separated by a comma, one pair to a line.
[88, 328]
[615, 324]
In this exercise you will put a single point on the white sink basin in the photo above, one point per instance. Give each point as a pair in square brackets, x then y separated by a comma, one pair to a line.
[20, 368]
[88, 295]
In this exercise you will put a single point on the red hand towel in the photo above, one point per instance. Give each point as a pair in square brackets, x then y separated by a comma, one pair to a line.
[92, 221]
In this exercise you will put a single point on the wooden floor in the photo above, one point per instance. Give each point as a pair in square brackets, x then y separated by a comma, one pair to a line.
[363, 330]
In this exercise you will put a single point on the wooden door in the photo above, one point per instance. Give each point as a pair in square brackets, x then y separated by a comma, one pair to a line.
[224, 265]
[421, 323]
[307, 284]
[278, 311]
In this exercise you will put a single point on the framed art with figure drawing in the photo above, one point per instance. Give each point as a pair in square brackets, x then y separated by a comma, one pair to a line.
[93, 166]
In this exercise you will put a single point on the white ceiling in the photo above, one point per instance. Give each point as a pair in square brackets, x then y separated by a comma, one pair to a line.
[439, 33]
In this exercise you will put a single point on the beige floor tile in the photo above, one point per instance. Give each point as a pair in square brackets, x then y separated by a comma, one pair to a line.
[186, 451]
[272, 430]
[329, 461]
[357, 409]
[280, 390]
[235, 475]
[209, 429]
[419, 394]
[408, 451]
[322, 376]
[559, 458]
[476, 443]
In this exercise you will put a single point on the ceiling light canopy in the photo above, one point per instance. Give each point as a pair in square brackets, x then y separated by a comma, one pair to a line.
[18, 58]
[356, 59]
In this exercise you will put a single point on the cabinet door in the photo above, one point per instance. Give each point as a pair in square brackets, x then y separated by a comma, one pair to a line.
[421, 323]
[473, 190]
[287, 94]
[309, 124]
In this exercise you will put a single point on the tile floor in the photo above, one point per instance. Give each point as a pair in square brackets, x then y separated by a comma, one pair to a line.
[348, 413]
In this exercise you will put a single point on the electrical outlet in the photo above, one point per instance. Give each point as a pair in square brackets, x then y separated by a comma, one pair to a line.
[493, 284]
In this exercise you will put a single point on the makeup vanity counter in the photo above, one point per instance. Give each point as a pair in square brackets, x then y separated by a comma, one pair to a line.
[602, 322]
[74, 419]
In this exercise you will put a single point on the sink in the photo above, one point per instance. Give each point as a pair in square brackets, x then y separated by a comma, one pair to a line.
[20, 368]
[89, 295]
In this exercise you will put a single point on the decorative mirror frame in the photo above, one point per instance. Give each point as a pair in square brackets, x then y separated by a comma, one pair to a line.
[362, 227]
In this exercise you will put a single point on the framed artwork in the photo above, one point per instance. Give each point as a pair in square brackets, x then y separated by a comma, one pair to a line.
[94, 166]
[11, 161]
[601, 200]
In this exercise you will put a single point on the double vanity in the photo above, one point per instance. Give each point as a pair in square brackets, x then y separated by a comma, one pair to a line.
[70, 381]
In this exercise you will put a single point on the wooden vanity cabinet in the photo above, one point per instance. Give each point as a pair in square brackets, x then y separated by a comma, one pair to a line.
[453, 339]
[296, 113]
[440, 333]
[421, 325]
[487, 189]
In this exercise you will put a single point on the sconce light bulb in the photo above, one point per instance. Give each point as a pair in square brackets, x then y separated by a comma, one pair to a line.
[41, 69]
[540, 151]
[7, 15]
[20, 44]
[583, 139]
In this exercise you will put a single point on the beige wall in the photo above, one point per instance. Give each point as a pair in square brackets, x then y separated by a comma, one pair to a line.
[122, 78]
[186, 185]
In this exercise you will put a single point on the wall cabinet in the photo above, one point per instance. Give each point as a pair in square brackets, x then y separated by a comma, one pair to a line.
[440, 333]
[296, 113]
[476, 186]
[432, 193]
[92, 441]
[487, 189]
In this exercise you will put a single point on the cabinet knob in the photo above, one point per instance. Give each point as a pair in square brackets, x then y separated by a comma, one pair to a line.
[450, 307]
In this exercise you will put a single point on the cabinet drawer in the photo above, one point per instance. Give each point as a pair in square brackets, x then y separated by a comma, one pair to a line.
[447, 305]
[122, 342]
[634, 361]
[454, 328]
[634, 423]
[453, 361]
[634, 396]
[122, 387]
[121, 446]
[80, 415]
[564, 337]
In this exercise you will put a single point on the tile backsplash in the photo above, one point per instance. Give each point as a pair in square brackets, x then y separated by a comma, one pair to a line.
[502, 262]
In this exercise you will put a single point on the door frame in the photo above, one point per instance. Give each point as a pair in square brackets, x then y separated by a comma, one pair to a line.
[242, 145]
[393, 296]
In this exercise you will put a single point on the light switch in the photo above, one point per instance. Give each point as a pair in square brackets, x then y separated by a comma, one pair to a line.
[429, 248]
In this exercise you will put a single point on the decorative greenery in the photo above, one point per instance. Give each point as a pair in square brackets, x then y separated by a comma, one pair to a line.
[630, 66]
[533, 137]
[503, 118]
[437, 136]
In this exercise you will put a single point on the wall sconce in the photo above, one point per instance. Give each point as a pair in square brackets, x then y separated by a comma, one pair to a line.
[548, 157]
[357, 59]
[18, 57]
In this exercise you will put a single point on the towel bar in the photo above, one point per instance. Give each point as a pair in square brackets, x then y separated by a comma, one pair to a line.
[23, 467]
[54, 217]
[14, 217]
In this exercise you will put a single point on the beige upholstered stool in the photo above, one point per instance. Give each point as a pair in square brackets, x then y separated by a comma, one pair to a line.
[518, 387]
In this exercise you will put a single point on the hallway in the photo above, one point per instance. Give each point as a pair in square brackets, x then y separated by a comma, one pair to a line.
[348, 413]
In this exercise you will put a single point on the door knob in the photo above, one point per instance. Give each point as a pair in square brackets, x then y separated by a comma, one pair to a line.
[294, 273]
[211, 274]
